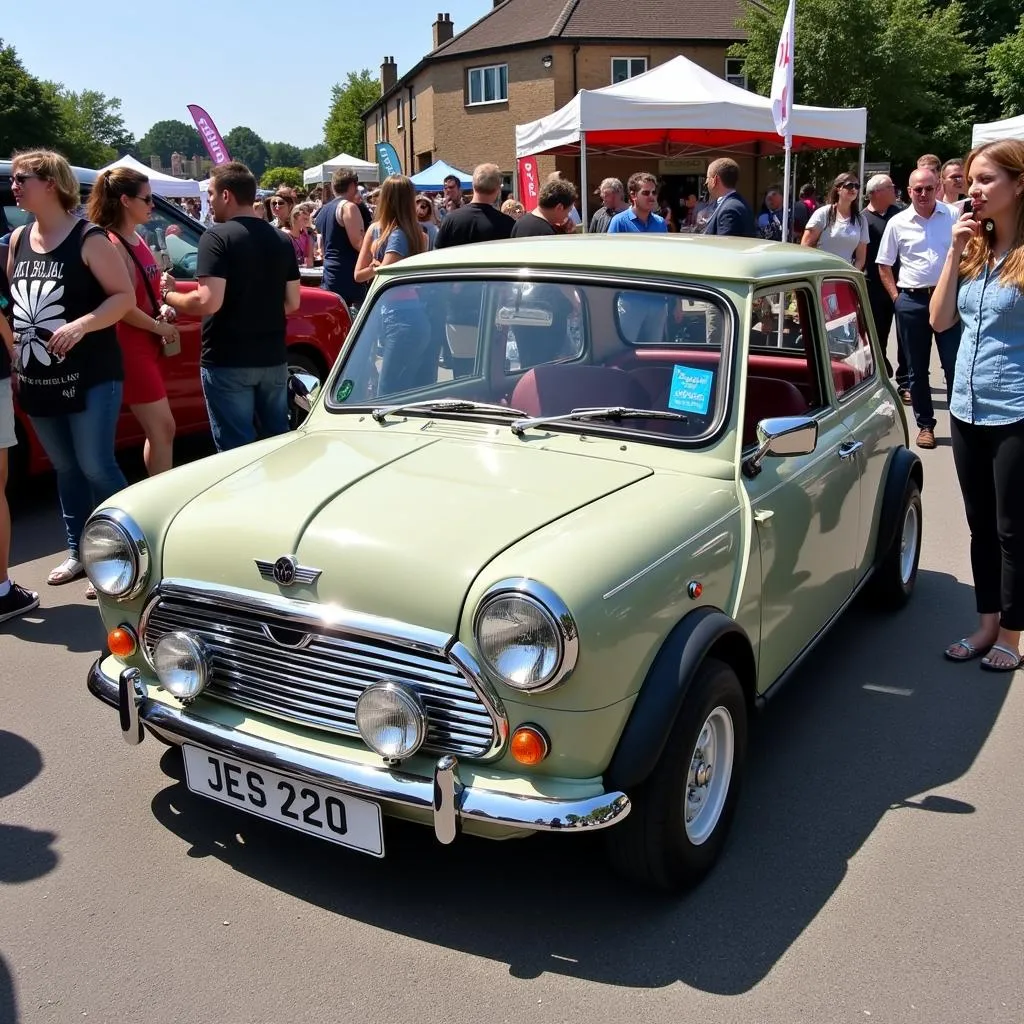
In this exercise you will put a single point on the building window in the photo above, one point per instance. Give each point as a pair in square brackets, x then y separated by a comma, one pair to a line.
[412, 106]
[381, 119]
[400, 112]
[734, 73]
[627, 67]
[488, 85]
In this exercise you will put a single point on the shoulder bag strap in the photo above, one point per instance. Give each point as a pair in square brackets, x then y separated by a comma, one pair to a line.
[142, 274]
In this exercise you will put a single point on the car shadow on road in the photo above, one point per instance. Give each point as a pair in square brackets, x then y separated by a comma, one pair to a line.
[872, 722]
[25, 853]
[76, 627]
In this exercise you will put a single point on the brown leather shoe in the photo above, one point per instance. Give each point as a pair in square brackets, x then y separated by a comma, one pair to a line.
[926, 438]
[905, 396]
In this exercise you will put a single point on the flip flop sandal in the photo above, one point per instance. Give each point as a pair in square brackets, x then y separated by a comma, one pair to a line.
[972, 651]
[70, 569]
[989, 666]
[90, 593]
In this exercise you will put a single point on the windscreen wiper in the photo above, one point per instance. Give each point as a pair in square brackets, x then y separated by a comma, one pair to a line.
[613, 412]
[444, 405]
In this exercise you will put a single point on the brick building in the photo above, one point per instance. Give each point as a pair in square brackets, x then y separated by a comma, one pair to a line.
[526, 58]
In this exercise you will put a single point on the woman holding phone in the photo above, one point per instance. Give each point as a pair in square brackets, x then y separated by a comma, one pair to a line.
[982, 285]
[121, 202]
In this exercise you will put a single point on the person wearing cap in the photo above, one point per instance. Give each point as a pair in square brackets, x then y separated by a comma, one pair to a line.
[613, 199]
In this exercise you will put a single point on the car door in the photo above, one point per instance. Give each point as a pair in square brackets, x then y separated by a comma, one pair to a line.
[864, 399]
[805, 507]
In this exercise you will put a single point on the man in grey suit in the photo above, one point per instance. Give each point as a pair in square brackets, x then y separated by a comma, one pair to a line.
[731, 215]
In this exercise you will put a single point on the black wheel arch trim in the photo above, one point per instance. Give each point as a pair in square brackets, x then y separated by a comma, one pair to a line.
[703, 632]
[903, 466]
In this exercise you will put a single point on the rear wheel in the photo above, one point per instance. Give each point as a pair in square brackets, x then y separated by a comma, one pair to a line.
[897, 572]
[681, 815]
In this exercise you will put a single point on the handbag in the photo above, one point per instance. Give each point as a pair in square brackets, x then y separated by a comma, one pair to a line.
[171, 348]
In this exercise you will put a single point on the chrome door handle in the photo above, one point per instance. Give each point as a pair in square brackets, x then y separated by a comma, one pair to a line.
[848, 449]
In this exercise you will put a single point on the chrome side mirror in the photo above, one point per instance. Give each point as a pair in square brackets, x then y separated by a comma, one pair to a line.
[303, 389]
[782, 436]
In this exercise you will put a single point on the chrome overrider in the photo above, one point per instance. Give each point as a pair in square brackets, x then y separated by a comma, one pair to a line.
[445, 795]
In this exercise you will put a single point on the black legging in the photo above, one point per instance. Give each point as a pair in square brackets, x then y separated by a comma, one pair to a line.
[990, 467]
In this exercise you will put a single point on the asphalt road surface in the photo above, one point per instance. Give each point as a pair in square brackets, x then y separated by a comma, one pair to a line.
[874, 872]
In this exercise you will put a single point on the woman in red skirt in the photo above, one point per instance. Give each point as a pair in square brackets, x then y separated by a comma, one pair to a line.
[121, 200]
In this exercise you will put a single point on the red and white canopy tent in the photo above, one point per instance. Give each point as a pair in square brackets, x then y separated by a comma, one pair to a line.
[677, 109]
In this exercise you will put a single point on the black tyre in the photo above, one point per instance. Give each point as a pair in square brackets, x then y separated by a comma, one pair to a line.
[897, 571]
[681, 815]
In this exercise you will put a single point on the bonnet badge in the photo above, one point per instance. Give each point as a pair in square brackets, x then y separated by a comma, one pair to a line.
[286, 571]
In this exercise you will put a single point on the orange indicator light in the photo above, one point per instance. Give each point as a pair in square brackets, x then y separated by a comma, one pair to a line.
[122, 641]
[529, 745]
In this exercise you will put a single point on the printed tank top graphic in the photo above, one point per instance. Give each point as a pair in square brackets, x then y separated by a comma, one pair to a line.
[38, 312]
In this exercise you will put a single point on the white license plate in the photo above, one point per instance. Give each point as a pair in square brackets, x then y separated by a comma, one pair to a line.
[324, 813]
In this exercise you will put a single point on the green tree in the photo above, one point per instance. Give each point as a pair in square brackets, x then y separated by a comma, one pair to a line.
[343, 129]
[313, 155]
[898, 58]
[167, 137]
[283, 154]
[1006, 72]
[29, 114]
[92, 129]
[245, 145]
[274, 176]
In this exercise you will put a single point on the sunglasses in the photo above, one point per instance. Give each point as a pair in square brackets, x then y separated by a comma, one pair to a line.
[922, 190]
[278, 202]
[646, 192]
[20, 178]
[147, 199]
[852, 186]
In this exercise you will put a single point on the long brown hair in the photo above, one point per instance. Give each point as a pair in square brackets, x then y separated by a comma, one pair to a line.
[105, 207]
[396, 208]
[833, 200]
[1009, 155]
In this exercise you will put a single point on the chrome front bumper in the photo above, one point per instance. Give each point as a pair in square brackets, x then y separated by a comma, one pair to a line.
[445, 795]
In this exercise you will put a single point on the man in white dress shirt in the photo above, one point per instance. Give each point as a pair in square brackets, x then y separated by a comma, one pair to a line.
[919, 238]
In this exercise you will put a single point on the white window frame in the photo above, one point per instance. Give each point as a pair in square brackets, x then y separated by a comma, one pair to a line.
[629, 67]
[381, 119]
[482, 72]
[737, 78]
[412, 106]
[400, 112]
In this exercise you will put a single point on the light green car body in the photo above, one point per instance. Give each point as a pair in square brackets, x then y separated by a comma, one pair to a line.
[415, 518]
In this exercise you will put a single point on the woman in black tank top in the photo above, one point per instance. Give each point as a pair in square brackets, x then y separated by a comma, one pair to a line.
[69, 287]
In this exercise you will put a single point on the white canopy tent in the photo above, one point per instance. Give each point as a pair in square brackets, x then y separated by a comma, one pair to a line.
[343, 161]
[680, 108]
[1011, 128]
[163, 184]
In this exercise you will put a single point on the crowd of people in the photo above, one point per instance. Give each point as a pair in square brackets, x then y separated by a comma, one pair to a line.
[947, 268]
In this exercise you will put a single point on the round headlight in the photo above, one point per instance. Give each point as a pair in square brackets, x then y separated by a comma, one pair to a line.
[115, 555]
[182, 665]
[391, 719]
[526, 636]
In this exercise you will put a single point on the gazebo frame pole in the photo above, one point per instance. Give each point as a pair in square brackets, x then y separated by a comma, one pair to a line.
[860, 169]
[583, 181]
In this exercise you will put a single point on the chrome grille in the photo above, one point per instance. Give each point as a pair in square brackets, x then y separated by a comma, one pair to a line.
[317, 682]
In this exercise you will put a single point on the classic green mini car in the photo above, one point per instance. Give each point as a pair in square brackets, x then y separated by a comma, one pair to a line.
[564, 514]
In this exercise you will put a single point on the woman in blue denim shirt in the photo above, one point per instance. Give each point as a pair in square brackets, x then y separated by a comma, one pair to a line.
[982, 283]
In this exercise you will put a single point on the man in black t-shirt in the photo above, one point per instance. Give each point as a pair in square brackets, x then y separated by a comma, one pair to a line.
[552, 216]
[248, 284]
[478, 221]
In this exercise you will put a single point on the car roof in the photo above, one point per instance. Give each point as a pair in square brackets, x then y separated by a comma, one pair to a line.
[85, 175]
[690, 256]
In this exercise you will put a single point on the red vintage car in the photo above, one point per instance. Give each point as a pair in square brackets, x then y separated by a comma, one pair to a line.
[315, 334]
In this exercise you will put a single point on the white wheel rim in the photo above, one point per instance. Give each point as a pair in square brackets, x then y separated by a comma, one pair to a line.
[709, 775]
[908, 543]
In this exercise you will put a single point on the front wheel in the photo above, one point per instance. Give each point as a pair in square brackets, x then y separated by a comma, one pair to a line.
[681, 815]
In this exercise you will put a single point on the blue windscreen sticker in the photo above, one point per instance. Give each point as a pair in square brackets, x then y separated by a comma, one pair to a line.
[691, 390]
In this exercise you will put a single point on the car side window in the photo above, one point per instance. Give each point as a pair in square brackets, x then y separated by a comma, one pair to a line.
[851, 359]
[783, 347]
[175, 243]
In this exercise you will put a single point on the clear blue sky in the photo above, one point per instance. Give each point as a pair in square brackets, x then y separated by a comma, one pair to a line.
[272, 69]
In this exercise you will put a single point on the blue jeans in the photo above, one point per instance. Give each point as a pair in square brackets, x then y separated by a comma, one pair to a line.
[915, 334]
[81, 448]
[240, 397]
[410, 357]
